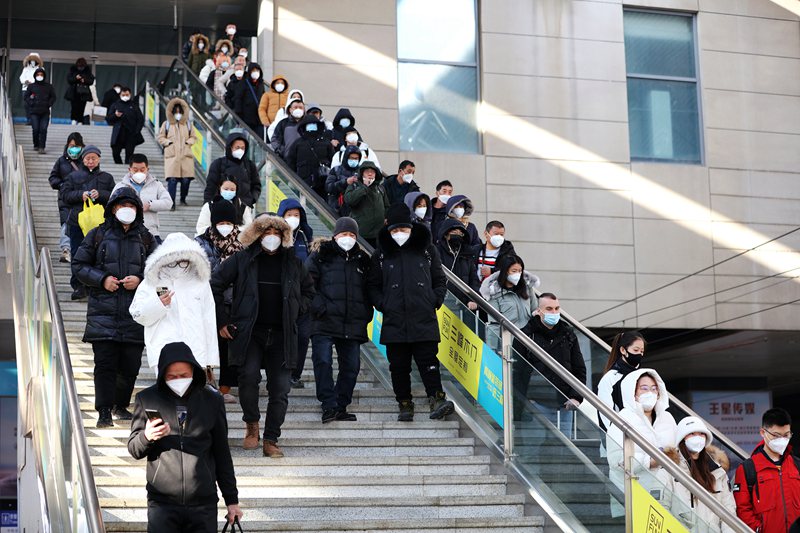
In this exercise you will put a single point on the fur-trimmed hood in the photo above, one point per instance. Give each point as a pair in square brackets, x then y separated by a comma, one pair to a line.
[420, 239]
[491, 285]
[196, 38]
[253, 232]
[171, 107]
[177, 247]
[459, 199]
[224, 42]
[33, 56]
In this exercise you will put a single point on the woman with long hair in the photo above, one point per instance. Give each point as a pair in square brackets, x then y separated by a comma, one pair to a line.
[627, 352]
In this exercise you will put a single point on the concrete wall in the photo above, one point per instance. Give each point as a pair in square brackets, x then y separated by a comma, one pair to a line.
[556, 168]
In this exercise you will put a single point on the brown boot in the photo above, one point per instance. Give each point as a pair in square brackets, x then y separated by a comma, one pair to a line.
[272, 450]
[251, 436]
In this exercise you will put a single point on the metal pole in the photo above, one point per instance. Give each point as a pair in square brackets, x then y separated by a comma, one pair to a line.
[508, 394]
[628, 452]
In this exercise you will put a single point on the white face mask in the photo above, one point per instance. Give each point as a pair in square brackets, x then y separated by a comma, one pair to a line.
[124, 98]
[239, 74]
[255, 75]
[224, 50]
[178, 116]
[32, 64]
[346, 243]
[497, 240]
[778, 445]
[126, 215]
[243, 54]
[352, 138]
[514, 278]
[279, 87]
[117, 89]
[344, 122]
[408, 178]
[695, 444]
[271, 242]
[298, 113]
[200, 46]
[238, 153]
[648, 400]
[421, 212]
[368, 181]
[39, 78]
[400, 237]
[294, 222]
[444, 198]
[180, 386]
[224, 229]
[458, 212]
[231, 31]
[139, 177]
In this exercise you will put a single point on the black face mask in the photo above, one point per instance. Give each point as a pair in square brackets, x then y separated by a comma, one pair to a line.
[455, 240]
[633, 359]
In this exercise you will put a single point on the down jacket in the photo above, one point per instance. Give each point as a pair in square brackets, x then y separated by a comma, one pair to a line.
[244, 170]
[336, 184]
[109, 250]
[177, 138]
[461, 260]
[452, 203]
[272, 101]
[190, 317]
[40, 95]
[151, 192]
[26, 77]
[63, 167]
[367, 205]
[303, 235]
[310, 151]
[509, 303]
[341, 307]
[197, 57]
[241, 271]
[79, 181]
[247, 97]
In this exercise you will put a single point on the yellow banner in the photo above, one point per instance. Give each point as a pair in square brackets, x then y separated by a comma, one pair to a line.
[198, 148]
[649, 516]
[460, 350]
[150, 108]
[275, 197]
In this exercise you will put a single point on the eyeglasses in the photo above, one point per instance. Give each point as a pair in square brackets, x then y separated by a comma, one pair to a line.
[647, 388]
[182, 264]
[778, 435]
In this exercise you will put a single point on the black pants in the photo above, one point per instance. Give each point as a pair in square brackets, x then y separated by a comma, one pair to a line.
[116, 367]
[39, 123]
[227, 373]
[163, 517]
[424, 353]
[172, 188]
[76, 112]
[265, 351]
[303, 337]
[116, 151]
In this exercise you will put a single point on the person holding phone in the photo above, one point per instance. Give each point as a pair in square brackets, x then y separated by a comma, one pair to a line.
[180, 426]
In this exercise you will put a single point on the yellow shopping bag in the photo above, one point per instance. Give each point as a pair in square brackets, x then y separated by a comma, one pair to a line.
[92, 216]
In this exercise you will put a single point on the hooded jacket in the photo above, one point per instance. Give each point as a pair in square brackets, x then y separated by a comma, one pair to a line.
[411, 199]
[310, 151]
[340, 131]
[40, 95]
[286, 132]
[224, 41]
[63, 167]
[248, 96]
[128, 127]
[87, 79]
[241, 271]
[150, 192]
[109, 250]
[26, 77]
[177, 138]
[459, 259]
[407, 284]
[336, 183]
[273, 101]
[79, 181]
[509, 303]
[190, 317]
[367, 205]
[367, 154]
[303, 235]
[608, 391]
[281, 114]
[341, 306]
[185, 467]
[472, 231]
[244, 170]
[197, 57]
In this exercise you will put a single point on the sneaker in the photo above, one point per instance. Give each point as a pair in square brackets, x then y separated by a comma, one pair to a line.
[272, 450]
[42, 151]
[74, 122]
[120, 413]
[328, 415]
[406, 411]
[104, 419]
[297, 384]
[78, 294]
[173, 208]
[251, 436]
[184, 204]
[229, 398]
[66, 256]
[343, 416]
[440, 406]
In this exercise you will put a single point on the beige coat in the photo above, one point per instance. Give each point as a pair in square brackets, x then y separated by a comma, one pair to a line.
[177, 140]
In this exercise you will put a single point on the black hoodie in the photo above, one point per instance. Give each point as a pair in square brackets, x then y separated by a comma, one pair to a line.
[247, 96]
[309, 152]
[40, 95]
[340, 131]
[185, 467]
[244, 170]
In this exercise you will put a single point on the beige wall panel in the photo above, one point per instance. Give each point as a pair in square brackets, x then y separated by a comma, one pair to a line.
[340, 85]
[753, 150]
[748, 35]
[757, 210]
[554, 173]
[566, 229]
[741, 289]
[755, 263]
[754, 111]
[577, 257]
[558, 201]
[683, 5]
[618, 311]
[372, 12]
[752, 8]
[573, 285]
[752, 73]
[781, 318]
[668, 308]
[466, 171]
[689, 181]
[767, 231]
[697, 314]
[666, 247]
[754, 183]
[533, 96]
[302, 41]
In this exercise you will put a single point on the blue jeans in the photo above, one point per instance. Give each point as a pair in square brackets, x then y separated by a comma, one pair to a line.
[172, 188]
[63, 241]
[348, 353]
[75, 240]
[40, 121]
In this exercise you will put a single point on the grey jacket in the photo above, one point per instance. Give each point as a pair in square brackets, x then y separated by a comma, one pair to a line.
[152, 192]
[513, 307]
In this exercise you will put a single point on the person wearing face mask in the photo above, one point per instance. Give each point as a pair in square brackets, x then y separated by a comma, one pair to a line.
[340, 177]
[31, 62]
[286, 133]
[310, 155]
[419, 204]
[247, 97]
[187, 450]
[111, 96]
[128, 121]
[233, 78]
[353, 138]
[228, 193]
[407, 284]
[273, 100]
[271, 289]
[86, 183]
[177, 136]
[233, 36]
[766, 487]
[110, 263]
[215, 74]
[340, 312]
[63, 167]
[225, 46]
[293, 94]
[151, 192]
[444, 190]
[646, 400]
[556, 400]
[236, 164]
[39, 98]
[495, 246]
[512, 291]
[219, 241]
[367, 201]
[342, 121]
[201, 52]
[460, 208]
[79, 79]
[402, 183]
[708, 465]
[627, 352]
[457, 255]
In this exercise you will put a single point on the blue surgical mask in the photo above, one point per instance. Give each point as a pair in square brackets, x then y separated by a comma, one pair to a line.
[352, 163]
[228, 195]
[74, 151]
[551, 319]
[311, 127]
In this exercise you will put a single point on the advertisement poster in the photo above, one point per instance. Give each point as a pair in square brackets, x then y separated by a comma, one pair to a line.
[649, 516]
[200, 148]
[736, 414]
[150, 109]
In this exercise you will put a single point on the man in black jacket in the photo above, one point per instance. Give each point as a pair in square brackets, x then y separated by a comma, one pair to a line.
[39, 98]
[271, 288]
[235, 163]
[407, 284]
[310, 156]
[400, 184]
[128, 121]
[110, 262]
[179, 424]
[453, 246]
[340, 313]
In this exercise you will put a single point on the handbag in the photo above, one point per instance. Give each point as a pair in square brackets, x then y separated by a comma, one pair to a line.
[233, 526]
[92, 216]
[99, 113]
[88, 109]
[83, 92]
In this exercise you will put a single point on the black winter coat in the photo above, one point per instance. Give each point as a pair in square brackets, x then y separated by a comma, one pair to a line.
[40, 97]
[308, 152]
[245, 100]
[341, 307]
[109, 250]
[185, 467]
[128, 127]
[407, 284]
[562, 344]
[241, 271]
[284, 136]
[110, 97]
[87, 79]
[63, 167]
[79, 181]
[462, 260]
[397, 191]
[244, 170]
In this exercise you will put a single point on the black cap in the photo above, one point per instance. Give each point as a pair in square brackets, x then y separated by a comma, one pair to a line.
[222, 210]
[398, 216]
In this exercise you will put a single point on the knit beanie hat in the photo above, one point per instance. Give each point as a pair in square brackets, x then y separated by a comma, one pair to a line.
[221, 211]
[398, 216]
[345, 224]
[91, 149]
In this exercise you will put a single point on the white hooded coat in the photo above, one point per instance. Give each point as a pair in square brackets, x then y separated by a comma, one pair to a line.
[26, 77]
[191, 317]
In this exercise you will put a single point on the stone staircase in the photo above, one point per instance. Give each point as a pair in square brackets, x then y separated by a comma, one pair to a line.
[372, 475]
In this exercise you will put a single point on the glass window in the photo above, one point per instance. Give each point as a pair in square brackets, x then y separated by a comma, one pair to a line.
[442, 30]
[663, 102]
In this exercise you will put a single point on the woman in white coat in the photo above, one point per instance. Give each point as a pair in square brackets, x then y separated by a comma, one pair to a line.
[645, 401]
[174, 302]
[627, 352]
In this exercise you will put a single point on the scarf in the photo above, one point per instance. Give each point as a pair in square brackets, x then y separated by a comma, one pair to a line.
[227, 246]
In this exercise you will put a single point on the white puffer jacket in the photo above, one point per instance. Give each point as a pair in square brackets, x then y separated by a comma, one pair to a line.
[191, 317]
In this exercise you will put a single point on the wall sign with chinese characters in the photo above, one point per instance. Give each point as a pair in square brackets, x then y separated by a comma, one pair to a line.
[736, 414]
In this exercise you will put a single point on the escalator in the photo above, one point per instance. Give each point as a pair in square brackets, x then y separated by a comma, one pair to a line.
[560, 460]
